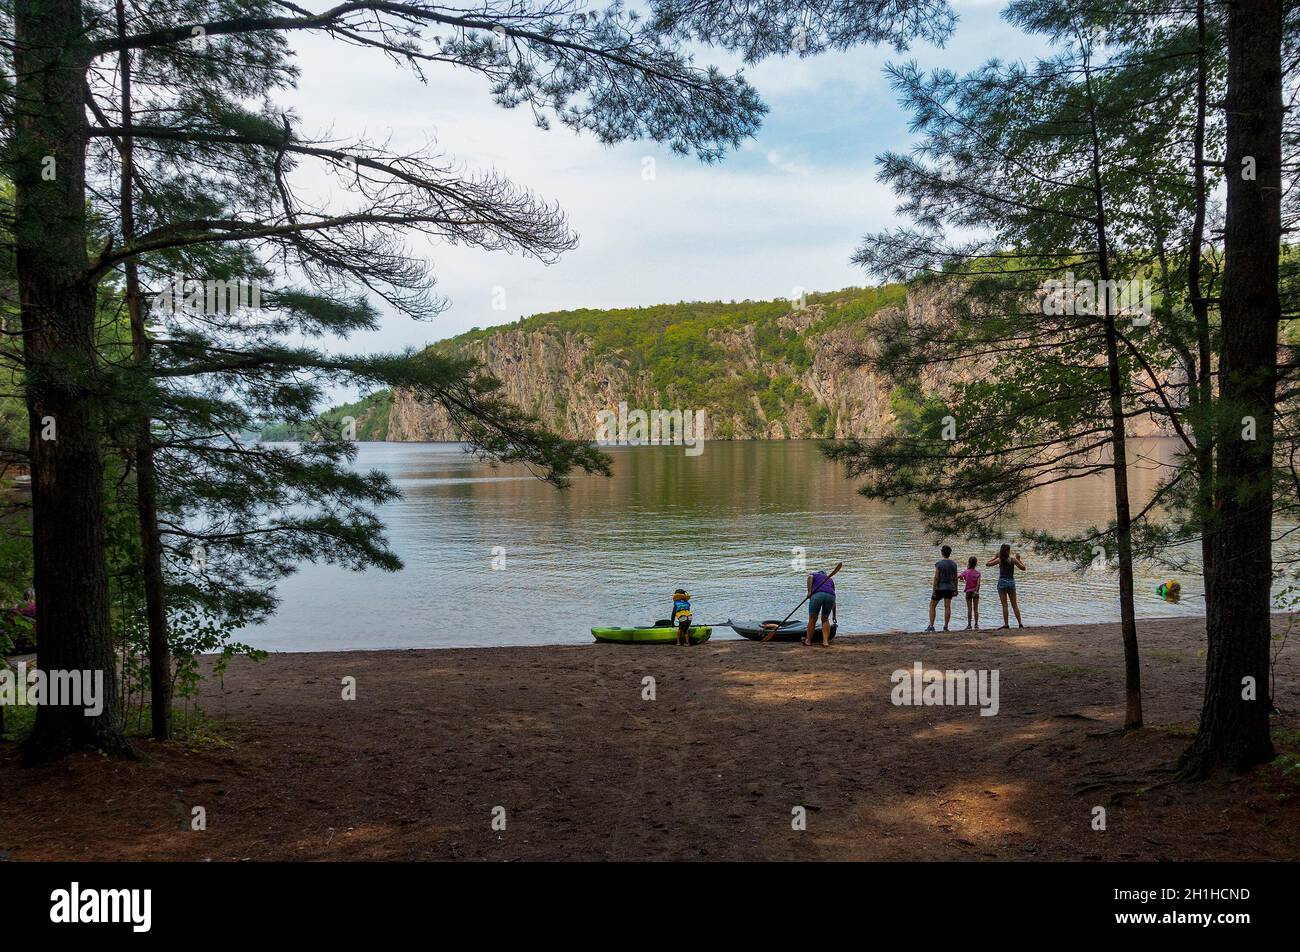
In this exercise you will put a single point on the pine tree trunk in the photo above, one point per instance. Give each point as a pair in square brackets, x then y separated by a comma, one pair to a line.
[1202, 387]
[146, 477]
[1234, 730]
[1123, 529]
[1119, 448]
[160, 655]
[57, 305]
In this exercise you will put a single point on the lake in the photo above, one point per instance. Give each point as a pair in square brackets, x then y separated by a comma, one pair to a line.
[725, 524]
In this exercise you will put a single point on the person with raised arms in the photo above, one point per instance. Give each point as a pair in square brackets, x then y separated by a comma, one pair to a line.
[1007, 563]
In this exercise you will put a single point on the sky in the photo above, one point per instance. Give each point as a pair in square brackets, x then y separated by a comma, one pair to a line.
[782, 213]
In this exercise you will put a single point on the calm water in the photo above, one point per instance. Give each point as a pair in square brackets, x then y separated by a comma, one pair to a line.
[611, 551]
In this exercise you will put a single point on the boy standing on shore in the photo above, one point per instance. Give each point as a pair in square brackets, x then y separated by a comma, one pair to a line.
[945, 587]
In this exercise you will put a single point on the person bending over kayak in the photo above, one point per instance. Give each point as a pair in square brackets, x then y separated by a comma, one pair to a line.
[682, 616]
[821, 601]
[944, 587]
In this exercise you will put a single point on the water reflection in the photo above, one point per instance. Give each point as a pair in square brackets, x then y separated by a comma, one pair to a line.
[726, 524]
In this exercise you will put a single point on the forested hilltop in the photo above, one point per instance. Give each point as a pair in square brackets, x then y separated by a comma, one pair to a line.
[758, 369]
[369, 416]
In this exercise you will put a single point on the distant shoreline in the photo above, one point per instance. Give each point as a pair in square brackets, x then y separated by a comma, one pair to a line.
[616, 446]
[728, 638]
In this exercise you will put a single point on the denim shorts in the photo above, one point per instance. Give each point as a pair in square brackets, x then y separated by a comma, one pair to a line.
[1006, 585]
[821, 604]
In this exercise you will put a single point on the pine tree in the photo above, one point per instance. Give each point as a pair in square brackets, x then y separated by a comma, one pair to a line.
[211, 180]
[1234, 726]
[1062, 172]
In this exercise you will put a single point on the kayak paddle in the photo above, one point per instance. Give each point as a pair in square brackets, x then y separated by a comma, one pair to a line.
[772, 634]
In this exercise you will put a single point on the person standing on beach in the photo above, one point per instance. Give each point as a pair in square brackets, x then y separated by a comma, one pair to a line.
[944, 587]
[1007, 563]
[971, 577]
[821, 601]
[27, 607]
[25, 636]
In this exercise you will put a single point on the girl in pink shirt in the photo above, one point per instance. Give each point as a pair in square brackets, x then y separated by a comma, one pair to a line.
[972, 579]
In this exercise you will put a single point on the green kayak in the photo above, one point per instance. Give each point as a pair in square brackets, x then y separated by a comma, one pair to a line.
[649, 635]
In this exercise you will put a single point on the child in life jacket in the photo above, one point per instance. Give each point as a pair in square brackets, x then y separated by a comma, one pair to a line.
[682, 615]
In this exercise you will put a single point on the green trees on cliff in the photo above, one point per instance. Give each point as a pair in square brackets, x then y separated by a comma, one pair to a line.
[688, 349]
[688, 352]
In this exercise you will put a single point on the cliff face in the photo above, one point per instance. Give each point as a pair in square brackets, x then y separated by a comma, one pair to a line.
[559, 376]
[818, 392]
[548, 372]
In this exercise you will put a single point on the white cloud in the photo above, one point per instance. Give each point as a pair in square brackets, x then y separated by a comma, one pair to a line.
[786, 210]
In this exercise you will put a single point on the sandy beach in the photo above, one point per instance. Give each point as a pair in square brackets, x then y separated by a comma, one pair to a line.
[738, 737]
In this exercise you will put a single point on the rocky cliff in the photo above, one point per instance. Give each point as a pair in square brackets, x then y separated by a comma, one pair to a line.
[567, 380]
[550, 372]
[763, 370]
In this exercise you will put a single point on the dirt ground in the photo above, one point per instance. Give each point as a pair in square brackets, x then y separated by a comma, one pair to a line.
[738, 737]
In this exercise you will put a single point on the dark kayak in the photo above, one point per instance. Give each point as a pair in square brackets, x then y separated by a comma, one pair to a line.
[790, 631]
